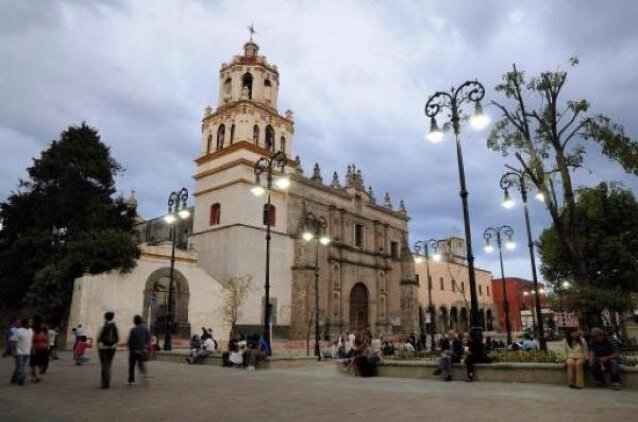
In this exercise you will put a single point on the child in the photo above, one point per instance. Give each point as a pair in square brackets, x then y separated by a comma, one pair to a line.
[79, 351]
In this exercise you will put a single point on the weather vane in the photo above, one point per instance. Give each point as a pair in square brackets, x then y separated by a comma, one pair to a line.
[251, 30]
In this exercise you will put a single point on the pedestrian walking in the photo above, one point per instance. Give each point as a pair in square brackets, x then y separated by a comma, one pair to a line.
[39, 360]
[138, 341]
[53, 343]
[107, 344]
[11, 329]
[21, 343]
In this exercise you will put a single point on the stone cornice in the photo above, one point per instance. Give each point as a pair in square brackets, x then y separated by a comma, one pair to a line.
[249, 103]
[230, 226]
[239, 145]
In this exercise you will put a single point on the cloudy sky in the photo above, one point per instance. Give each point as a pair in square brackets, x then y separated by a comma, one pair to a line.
[356, 74]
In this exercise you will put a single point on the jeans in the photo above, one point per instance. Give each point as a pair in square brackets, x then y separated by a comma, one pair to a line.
[612, 365]
[135, 358]
[106, 359]
[199, 357]
[81, 360]
[20, 371]
[445, 365]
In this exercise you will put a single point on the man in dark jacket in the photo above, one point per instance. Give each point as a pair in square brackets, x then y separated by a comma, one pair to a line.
[107, 344]
[138, 341]
[451, 352]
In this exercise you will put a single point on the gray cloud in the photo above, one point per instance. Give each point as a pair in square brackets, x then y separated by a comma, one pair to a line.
[356, 74]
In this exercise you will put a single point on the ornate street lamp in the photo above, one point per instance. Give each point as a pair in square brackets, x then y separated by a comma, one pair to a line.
[273, 167]
[470, 92]
[177, 210]
[500, 232]
[425, 245]
[315, 231]
[517, 179]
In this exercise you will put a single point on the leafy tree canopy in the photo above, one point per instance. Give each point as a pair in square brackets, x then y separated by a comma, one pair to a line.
[64, 222]
[607, 218]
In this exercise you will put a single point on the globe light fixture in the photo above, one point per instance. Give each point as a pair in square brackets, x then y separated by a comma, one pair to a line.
[510, 244]
[566, 284]
[418, 259]
[479, 120]
[435, 134]
[308, 236]
[169, 218]
[508, 202]
[184, 214]
[540, 197]
[325, 240]
[436, 256]
[283, 182]
[488, 248]
[258, 190]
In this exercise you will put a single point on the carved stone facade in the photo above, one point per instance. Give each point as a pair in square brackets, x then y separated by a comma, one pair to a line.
[365, 259]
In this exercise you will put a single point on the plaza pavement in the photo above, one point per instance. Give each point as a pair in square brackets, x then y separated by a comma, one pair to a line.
[315, 392]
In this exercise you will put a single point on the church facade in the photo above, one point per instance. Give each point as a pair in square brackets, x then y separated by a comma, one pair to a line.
[367, 277]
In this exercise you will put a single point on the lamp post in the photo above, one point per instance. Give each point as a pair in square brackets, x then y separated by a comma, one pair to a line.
[517, 179]
[315, 231]
[425, 245]
[272, 166]
[471, 92]
[500, 232]
[177, 209]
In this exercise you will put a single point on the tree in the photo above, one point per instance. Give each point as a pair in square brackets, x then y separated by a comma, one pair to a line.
[235, 295]
[305, 315]
[607, 217]
[549, 139]
[64, 222]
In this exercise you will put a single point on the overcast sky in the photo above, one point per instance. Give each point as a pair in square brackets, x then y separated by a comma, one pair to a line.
[356, 74]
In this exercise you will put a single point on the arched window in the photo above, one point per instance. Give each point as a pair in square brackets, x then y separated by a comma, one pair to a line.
[215, 214]
[269, 215]
[228, 86]
[232, 134]
[247, 84]
[221, 131]
[282, 144]
[209, 144]
[256, 135]
[463, 286]
[270, 138]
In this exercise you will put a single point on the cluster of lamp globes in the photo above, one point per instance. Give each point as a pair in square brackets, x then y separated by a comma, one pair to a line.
[308, 236]
[282, 182]
[478, 120]
[419, 259]
[183, 214]
[532, 292]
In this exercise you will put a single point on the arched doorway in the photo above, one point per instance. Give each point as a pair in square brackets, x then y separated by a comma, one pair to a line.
[156, 302]
[464, 324]
[359, 308]
[444, 320]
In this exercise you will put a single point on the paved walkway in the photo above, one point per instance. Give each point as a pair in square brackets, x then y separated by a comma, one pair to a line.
[313, 393]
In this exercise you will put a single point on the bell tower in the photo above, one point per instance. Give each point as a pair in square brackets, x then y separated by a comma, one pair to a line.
[228, 222]
[247, 107]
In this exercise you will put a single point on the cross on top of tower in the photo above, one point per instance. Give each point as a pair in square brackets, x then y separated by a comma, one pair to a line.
[251, 30]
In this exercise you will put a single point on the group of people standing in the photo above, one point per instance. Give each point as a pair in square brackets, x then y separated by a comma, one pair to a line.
[32, 344]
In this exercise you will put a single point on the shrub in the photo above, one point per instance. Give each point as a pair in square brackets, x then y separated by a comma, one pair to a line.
[526, 356]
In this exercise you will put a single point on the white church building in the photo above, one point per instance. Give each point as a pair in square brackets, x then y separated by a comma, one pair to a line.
[367, 275]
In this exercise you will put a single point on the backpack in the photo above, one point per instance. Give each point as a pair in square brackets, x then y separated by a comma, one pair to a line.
[109, 335]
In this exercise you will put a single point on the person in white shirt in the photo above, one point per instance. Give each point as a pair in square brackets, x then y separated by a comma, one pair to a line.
[208, 348]
[21, 341]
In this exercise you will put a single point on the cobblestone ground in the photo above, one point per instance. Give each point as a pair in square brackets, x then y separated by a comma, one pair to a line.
[311, 393]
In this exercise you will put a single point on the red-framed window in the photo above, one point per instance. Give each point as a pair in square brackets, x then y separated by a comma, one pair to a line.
[215, 214]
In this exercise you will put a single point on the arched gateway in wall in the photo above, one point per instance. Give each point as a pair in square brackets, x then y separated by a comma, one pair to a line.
[156, 302]
[359, 308]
